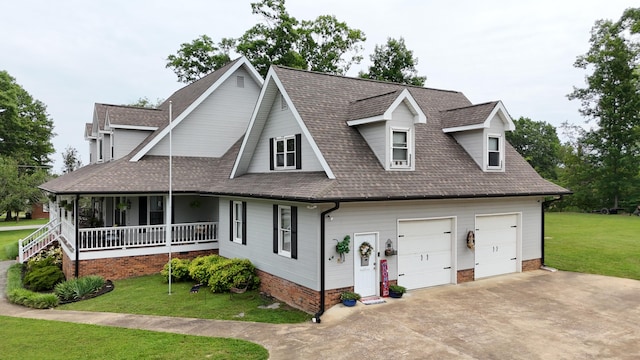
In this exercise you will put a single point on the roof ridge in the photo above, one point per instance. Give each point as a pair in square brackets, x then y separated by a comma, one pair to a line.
[470, 106]
[129, 106]
[376, 96]
[363, 79]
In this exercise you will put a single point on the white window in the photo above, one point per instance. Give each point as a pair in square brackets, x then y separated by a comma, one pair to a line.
[237, 221]
[100, 158]
[494, 152]
[285, 152]
[284, 231]
[400, 148]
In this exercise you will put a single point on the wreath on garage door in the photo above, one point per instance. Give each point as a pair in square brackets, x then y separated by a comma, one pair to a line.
[471, 240]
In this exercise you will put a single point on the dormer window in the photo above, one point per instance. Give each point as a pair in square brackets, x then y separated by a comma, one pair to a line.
[495, 152]
[400, 148]
[286, 152]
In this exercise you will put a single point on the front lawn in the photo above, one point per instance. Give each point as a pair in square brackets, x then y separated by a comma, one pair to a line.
[10, 238]
[43, 339]
[593, 243]
[148, 295]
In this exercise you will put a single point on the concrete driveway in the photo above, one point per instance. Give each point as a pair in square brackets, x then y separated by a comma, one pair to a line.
[532, 315]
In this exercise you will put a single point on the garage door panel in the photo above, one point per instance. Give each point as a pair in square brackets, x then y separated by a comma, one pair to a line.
[424, 253]
[496, 245]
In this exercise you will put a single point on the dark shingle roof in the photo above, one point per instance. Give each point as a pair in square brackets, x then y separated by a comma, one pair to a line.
[372, 106]
[129, 115]
[468, 115]
[443, 169]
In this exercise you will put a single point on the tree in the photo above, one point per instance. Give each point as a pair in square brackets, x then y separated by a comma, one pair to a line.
[70, 160]
[611, 100]
[324, 44]
[19, 186]
[25, 127]
[198, 58]
[538, 143]
[395, 63]
[145, 102]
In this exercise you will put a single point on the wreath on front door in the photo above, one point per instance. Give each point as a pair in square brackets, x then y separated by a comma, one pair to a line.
[365, 249]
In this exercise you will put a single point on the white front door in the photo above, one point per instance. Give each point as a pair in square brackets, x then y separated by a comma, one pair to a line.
[425, 256]
[365, 275]
[496, 245]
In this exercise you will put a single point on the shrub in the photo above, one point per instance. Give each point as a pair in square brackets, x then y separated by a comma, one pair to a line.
[32, 299]
[200, 267]
[43, 278]
[52, 254]
[179, 270]
[11, 250]
[228, 273]
[14, 277]
[75, 289]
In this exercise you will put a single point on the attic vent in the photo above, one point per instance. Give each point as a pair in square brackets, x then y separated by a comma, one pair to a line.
[240, 81]
[283, 103]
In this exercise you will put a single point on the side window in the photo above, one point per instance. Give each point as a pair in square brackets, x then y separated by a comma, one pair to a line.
[494, 152]
[285, 152]
[238, 221]
[285, 231]
[400, 148]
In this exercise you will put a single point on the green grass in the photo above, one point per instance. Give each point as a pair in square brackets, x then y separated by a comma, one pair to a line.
[39, 339]
[593, 243]
[22, 222]
[10, 238]
[148, 295]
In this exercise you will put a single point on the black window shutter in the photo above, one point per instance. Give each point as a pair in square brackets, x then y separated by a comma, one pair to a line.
[298, 151]
[275, 228]
[244, 223]
[270, 153]
[294, 232]
[142, 210]
[231, 220]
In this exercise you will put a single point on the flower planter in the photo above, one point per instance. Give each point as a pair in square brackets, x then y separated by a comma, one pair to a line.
[396, 295]
[349, 302]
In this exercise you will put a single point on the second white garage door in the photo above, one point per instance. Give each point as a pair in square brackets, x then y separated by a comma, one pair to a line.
[424, 252]
[496, 245]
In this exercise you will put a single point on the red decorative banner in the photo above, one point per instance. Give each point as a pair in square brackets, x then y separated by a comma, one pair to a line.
[384, 275]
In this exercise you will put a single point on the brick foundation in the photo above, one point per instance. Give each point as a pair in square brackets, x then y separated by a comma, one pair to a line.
[530, 265]
[465, 275]
[126, 267]
[295, 295]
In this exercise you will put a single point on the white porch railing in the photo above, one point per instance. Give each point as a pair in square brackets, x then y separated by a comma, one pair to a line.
[38, 240]
[125, 237]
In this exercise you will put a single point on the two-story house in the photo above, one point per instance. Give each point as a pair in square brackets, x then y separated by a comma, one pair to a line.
[410, 172]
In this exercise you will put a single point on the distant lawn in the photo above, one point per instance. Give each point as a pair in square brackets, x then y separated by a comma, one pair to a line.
[22, 222]
[593, 243]
[148, 295]
[10, 238]
[42, 339]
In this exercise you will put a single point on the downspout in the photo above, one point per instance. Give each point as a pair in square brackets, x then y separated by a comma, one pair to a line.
[323, 216]
[76, 206]
[545, 205]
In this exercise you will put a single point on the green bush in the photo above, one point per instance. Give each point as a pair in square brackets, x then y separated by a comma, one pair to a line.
[21, 296]
[200, 267]
[228, 273]
[11, 250]
[75, 289]
[52, 255]
[32, 299]
[179, 270]
[43, 278]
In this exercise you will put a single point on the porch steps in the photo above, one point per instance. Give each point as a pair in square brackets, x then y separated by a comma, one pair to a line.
[38, 240]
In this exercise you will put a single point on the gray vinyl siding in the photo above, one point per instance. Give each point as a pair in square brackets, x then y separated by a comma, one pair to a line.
[222, 117]
[281, 123]
[106, 147]
[125, 140]
[382, 217]
[375, 135]
[473, 144]
[259, 248]
[93, 151]
[402, 117]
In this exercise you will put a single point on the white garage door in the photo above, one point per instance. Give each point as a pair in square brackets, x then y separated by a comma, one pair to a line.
[424, 253]
[496, 245]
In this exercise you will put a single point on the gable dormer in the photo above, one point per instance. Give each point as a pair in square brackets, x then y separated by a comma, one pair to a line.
[387, 122]
[480, 130]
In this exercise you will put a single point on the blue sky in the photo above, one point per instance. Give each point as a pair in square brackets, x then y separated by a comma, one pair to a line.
[71, 54]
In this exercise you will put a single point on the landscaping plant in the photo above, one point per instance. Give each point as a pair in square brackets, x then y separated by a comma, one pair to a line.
[179, 270]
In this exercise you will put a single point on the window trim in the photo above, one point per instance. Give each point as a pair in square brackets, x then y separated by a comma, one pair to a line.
[234, 220]
[293, 231]
[409, 148]
[297, 152]
[500, 152]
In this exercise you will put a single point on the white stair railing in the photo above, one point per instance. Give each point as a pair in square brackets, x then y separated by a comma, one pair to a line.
[38, 240]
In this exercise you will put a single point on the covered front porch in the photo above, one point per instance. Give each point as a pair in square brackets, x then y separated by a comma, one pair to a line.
[92, 227]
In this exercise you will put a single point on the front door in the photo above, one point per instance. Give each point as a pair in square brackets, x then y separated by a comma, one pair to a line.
[365, 279]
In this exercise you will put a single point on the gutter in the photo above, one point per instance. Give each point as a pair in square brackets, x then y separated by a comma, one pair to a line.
[323, 216]
[545, 205]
